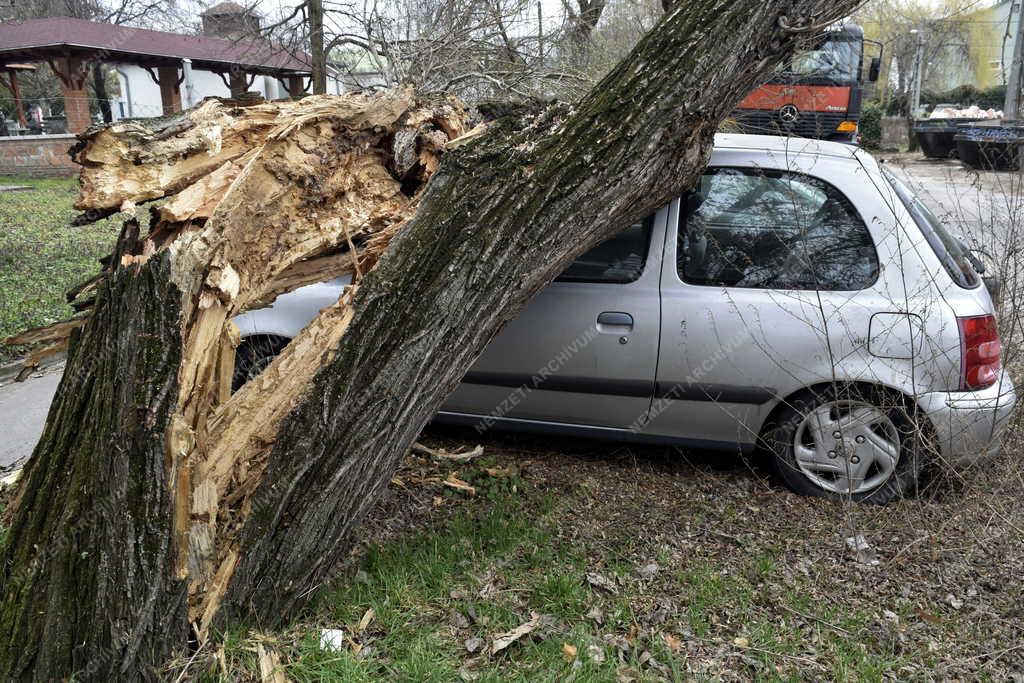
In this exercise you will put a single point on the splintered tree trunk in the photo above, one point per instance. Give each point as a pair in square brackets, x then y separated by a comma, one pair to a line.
[159, 507]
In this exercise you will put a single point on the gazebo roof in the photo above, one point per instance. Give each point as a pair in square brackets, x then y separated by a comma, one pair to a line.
[38, 39]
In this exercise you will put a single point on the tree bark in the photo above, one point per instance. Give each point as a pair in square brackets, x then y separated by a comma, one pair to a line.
[316, 46]
[99, 85]
[156, 501]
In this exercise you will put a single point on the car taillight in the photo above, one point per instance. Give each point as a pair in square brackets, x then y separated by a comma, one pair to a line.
[980, 351]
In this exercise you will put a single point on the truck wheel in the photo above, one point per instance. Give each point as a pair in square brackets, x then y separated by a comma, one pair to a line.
[253, 355]
[860, 447]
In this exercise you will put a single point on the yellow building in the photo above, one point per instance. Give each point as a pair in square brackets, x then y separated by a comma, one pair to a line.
[970, 48]
[989, 44]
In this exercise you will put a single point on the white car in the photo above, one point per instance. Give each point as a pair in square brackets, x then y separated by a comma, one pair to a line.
[801, 299]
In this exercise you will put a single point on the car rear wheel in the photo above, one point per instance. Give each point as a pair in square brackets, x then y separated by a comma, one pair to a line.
[864, 446]
[253, 356]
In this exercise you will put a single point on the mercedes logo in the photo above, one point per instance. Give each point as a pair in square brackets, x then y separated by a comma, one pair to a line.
[789, 114]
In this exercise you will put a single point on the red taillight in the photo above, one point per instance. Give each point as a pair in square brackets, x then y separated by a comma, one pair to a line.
[980, 350]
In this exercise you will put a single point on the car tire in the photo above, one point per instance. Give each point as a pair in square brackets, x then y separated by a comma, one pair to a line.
[877, 457]
[253, 355]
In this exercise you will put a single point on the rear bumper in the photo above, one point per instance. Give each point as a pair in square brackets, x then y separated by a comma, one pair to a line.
[969, 425]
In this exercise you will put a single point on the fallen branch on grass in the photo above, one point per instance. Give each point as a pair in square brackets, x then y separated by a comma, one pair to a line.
[444, 456]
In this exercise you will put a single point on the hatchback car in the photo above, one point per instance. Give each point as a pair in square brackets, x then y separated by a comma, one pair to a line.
[801, 299]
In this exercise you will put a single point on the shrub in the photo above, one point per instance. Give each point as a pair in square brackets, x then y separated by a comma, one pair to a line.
[871, 125]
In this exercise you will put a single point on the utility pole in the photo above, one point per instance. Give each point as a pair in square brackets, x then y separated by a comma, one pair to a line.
[915, 99]
[316, 46]
[540, 33]
[1011, 108]
[915, 89]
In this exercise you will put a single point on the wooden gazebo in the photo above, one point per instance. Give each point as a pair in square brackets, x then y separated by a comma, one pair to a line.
[72, 46]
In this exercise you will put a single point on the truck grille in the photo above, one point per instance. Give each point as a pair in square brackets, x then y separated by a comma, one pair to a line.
[810, 124]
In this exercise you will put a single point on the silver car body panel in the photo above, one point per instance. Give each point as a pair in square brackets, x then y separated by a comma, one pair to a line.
[706, 366]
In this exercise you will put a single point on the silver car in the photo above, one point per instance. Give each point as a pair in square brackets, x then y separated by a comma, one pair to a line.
[800, 300]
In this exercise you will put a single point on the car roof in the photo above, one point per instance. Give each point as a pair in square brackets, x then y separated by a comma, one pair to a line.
[788, 146]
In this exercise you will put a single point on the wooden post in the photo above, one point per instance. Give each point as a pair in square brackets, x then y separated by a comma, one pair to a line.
[73, 71]
[19, 106]
[170, 96]
[295, 87]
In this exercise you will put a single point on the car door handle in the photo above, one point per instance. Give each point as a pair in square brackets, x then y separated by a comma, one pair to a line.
[615, 319]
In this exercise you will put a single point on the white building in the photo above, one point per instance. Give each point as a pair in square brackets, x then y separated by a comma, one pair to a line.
[140, 93]
[140, 90]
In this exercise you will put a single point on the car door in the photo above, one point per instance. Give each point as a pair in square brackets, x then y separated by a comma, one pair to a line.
[585, 350]
[766, 289]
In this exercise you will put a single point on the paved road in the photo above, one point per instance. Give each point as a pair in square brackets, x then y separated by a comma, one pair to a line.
[23, 408]
[976, 202]
[984, 206]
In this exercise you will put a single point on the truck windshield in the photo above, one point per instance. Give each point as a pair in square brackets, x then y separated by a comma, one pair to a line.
[834, 59]
[951, 251]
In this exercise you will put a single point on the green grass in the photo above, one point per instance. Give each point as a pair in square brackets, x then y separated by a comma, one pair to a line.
[415, 584]
[502, 557]
[41, 256]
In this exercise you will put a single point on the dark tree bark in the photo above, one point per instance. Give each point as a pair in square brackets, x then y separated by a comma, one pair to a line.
[582, 20]
[316, 46]
[100, 87]
[154, 500]
[99, 484]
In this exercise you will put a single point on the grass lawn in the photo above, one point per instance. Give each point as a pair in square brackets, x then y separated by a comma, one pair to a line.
[639, 564]
[41, 256]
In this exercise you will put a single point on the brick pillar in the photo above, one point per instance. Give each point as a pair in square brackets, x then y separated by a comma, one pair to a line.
[73, 73]
[295, 87]
[170, 96]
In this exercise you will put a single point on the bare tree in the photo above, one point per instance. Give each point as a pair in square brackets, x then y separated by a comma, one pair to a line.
[936, 27]
[581, 18]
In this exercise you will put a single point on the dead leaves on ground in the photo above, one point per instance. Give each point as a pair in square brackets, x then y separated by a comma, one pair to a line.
[504, 640]
[420, 470]
[602, 582]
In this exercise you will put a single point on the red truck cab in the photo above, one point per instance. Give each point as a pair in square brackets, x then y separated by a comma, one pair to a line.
[816, 93]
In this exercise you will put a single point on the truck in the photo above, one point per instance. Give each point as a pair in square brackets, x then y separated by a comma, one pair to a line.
[816, 93]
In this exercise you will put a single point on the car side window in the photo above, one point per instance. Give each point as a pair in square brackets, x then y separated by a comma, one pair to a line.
[772, 229]
[619, 260]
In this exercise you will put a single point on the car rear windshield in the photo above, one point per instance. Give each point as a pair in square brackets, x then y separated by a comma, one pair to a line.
[951, 251]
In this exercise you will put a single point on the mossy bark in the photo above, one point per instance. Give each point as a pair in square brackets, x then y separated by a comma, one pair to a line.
[89, 578]
[87, 582]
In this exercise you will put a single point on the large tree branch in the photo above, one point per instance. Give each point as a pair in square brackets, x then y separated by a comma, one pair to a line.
[211, 507]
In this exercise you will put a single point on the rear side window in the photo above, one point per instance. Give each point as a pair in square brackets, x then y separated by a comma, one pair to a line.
[771, 229]
[951, 251]
[619, 260]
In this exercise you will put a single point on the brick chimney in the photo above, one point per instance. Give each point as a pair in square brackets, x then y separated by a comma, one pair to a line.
[230, 20]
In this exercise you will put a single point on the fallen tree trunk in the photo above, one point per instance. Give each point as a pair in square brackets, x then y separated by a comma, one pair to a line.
[158, 506]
